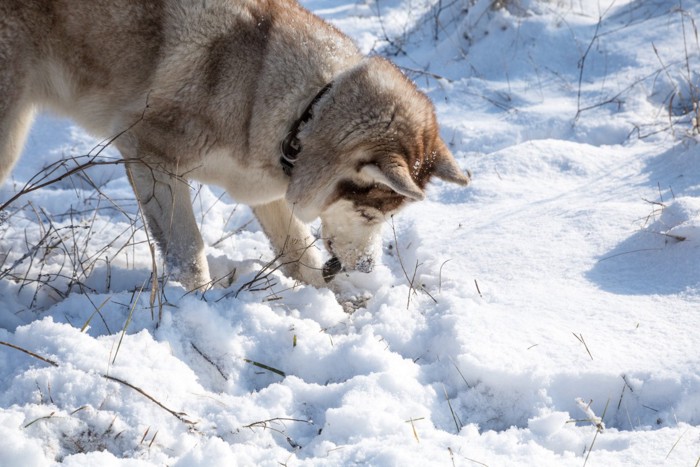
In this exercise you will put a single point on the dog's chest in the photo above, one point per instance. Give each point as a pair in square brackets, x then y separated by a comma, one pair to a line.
[252, 183]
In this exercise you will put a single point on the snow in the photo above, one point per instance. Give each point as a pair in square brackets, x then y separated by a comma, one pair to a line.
[560, 290]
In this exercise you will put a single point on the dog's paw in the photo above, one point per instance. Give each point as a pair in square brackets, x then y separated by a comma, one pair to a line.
[194, 275]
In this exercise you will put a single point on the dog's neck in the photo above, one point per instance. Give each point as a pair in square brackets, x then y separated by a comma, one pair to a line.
[291, 146]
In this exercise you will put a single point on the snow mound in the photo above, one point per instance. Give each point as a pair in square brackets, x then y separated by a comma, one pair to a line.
[681, 219]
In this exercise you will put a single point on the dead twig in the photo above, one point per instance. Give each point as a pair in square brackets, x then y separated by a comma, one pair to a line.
[179, 415]
[210, 361]
[32, 354]
[266, 425]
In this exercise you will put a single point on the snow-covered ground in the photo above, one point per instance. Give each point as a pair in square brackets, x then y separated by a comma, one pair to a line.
[569, 271]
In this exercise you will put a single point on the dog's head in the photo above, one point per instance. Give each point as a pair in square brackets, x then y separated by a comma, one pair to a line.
[372, 146]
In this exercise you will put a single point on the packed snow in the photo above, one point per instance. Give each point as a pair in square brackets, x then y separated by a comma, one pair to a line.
[546, 315]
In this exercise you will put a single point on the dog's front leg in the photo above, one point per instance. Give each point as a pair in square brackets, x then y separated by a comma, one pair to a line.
[292, 242]
[165, 201]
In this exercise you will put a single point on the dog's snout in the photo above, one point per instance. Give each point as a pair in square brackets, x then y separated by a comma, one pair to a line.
[331, 268]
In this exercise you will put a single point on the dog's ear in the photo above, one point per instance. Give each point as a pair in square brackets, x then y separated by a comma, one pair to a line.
[445, 166]
[397, 178]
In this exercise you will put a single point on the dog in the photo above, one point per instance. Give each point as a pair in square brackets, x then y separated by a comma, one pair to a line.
[259, 97]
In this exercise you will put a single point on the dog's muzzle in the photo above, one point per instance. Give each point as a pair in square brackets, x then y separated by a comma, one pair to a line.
[333, 267]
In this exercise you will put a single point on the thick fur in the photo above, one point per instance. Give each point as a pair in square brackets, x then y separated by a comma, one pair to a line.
[207, 90]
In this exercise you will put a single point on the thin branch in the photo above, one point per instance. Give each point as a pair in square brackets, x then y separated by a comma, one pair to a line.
[210, 361]
[32, 354]
[179, 415]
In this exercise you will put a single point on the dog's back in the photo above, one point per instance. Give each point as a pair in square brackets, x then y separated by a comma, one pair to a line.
[79, 57]
[99, 61]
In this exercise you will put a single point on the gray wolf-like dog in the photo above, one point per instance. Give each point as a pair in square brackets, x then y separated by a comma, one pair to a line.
[259, 97]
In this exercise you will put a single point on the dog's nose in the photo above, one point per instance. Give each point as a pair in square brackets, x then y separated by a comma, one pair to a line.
[331, 268]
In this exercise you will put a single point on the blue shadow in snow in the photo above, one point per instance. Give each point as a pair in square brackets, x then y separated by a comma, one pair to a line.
[649, 262]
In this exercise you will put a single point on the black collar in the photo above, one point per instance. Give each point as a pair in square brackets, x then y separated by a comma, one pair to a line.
[291, 147]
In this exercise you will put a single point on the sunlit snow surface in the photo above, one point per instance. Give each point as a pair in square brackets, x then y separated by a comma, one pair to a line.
[569, 269]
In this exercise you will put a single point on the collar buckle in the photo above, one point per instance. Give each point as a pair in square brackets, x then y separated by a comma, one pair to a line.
[291, 146]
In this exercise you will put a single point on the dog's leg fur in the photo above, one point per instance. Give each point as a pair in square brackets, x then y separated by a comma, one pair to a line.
[292, 241]
[16, 111]
[165, 202]
[16, 117]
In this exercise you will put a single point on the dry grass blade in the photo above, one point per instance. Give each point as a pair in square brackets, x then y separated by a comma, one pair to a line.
[47, 417]
[413, 427]
[452, 458]
[127, 322]
[455, 418]
[592, 417]
[595, 420]
[461, 374]
[579, 337]
[209, 360]
[85, 407]
[266, 367]
[179, 415]
[145, 433]
[676, 444]
[622, 394]
[152, 440]
[590, 448]
[265, 423]
[97, 310]
[32, 354]
[478, 290]
[440, 274]
[411, 289]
